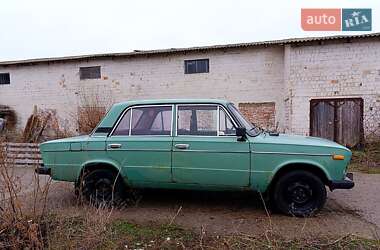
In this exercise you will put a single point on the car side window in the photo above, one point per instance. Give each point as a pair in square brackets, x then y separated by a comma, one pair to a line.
[144, 123]
[198, 120]
[152, 120]
[226, 127]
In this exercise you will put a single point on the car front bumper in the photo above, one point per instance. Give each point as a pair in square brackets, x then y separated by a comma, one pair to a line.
[42, 170]
[347, 183]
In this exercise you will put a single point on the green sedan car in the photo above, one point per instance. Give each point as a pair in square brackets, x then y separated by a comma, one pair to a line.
[198, 145]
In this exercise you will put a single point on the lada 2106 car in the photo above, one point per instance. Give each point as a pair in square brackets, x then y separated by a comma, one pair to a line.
[198, 145]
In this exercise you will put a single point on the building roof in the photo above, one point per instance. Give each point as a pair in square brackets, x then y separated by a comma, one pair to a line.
[190, 49]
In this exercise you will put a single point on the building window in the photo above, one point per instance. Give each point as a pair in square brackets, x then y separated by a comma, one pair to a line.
[89, 72]
[196, 66]
[5, 78]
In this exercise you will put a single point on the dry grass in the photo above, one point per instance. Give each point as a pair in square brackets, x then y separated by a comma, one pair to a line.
[76, 232]
[85, 228]
[367, 160]
[20, 227]
[91, 109]
[89, 117]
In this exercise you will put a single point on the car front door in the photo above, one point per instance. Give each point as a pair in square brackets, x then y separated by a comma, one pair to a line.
[206, 150]
[141, 143]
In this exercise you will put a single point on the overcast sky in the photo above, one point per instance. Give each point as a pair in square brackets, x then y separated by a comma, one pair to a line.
[49, 28]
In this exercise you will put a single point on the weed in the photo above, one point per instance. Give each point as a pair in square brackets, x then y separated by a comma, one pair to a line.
[20, 227]
[91, 109]
[367, 160]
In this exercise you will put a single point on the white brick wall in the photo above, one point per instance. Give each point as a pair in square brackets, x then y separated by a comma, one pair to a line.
[239, 75]
[333, 70]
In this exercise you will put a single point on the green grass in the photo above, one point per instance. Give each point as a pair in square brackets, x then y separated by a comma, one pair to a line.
[149, 236]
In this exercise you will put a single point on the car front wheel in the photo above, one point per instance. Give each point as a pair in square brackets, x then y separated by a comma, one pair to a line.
[299, 193]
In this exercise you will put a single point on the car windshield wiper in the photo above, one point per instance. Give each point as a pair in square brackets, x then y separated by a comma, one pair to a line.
[258, 130]
[266, 131]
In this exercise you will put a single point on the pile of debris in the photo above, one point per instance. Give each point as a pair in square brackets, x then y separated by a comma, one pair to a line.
[41, 125]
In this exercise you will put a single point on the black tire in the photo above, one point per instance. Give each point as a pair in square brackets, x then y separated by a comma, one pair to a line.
[299, 193]
[103, 186]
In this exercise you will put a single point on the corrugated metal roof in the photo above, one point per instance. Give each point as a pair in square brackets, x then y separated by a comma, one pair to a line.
[190, 49]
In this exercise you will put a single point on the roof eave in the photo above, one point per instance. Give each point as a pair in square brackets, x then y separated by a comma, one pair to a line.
[183, 50]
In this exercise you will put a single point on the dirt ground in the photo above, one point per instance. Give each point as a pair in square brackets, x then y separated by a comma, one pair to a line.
[364, 199]
[355, 211]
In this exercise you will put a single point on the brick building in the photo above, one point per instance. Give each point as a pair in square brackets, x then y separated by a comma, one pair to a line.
[327, 86]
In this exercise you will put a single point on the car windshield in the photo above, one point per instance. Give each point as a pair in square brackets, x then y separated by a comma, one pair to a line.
[251, 129]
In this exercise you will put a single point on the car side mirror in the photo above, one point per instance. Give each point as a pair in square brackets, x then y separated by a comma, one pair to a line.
[241, 133]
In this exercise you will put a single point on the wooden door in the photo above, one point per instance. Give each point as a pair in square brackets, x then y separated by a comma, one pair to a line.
[340, 120]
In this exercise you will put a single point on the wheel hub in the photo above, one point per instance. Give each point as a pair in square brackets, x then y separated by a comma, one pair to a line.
[300, 193]
[103, 188]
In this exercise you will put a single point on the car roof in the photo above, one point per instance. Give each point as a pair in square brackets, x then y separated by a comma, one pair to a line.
[170, 101]
[115, 111]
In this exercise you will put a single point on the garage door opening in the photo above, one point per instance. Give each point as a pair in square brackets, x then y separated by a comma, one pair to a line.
[340, 120]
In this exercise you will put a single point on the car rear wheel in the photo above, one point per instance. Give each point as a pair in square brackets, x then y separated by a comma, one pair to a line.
[299, 193]
[103, 186]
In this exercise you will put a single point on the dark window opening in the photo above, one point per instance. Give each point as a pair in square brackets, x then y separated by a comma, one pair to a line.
[196, 66]
[5, 78]
[89, 72]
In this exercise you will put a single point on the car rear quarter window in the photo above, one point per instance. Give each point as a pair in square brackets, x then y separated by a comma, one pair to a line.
[152, 120]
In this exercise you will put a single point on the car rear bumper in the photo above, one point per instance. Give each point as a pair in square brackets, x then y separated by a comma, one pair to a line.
[42, 170]
[347, 183]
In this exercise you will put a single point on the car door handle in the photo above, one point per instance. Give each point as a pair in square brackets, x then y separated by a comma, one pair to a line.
[182, 146]
[114, 145]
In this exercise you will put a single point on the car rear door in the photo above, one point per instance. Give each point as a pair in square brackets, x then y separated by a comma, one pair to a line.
[141, 143]
[206, 150]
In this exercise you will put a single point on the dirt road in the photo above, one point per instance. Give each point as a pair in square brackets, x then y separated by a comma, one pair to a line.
[364, 198]
[354, 211]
